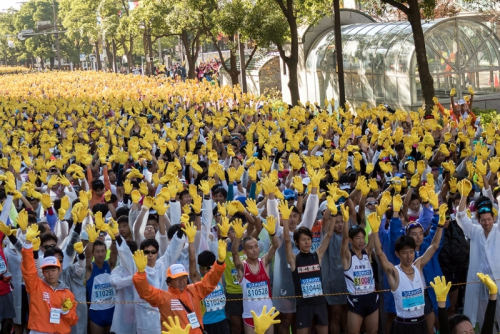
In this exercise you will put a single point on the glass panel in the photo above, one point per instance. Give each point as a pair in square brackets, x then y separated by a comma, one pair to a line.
[369, 52]
[378, 84]
[407, 51]
[391, 89]
[348, 85]
[368, 93]
[357, 86]
[404, 93]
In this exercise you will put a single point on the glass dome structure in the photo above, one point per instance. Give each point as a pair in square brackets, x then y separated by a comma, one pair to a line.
[380, 64]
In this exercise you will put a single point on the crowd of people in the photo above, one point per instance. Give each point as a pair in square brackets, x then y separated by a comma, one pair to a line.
[128, 202]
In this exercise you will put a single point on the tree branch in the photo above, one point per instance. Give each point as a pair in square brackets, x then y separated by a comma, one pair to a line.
[251, 56]
[281, 4]
[282, 52]
[398, 5]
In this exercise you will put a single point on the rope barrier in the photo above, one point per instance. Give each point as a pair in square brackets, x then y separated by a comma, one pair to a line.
[278, 297]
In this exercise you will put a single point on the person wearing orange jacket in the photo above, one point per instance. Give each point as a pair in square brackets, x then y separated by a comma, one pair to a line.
[51, 302]
[181, 299]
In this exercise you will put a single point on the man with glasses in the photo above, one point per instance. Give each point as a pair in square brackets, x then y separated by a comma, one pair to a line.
[484, 249]
[181, 299]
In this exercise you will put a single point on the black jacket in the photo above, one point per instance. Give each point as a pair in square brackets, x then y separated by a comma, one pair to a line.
[454, 255]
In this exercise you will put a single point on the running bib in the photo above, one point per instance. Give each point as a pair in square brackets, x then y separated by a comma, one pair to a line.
[413, 300]
[311, 287]
[258, 290]
[104, 292]
[363, 280]
[3, 267]
[234, 274]
[216, 300]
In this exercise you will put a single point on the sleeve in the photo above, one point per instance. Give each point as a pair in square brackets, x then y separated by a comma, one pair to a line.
[51, 218]
[163, 242]
[253, 188]
[207, 215]
[489, 317]
[174, 251]
[6, 209]
[444, 327]
[488, 193]
[118, 281]
[79, 267]
[395, 231]
[175, 212]
[425, 217]
[462, 169]
[272, 210]
[155, 297]
[311, 211]
[230, 192]
[28, 269]
[465, 223]
[210, 280]
[433, 230]
[107, 184]
[69, 251]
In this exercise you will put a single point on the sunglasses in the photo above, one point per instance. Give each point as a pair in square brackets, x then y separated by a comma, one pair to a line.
[435, 169]
[371, 203]
[205, 268]
[484, 209]
[412, 225]
[146, 252]
[448, 217]
[49, 246]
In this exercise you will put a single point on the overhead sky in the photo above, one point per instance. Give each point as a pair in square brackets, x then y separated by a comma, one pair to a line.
[4, 4]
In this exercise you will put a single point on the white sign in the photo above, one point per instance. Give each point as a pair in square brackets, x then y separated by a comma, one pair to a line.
[27, 31]
[124, 59]
[82, 57]
[20, 37]
[92, 57]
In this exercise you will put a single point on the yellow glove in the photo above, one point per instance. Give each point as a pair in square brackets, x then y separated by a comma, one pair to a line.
[442, 214]
[159, 205]
[471, 90]
[22, 220]
[420, 167]
[441, 288]
[270, 226]
[252, 207]
[32, 232]
[424, 195]
[204, 187]
[369, 168]
[331, 205]
[345, 212]
[222, 251]
[99, 221]
[78, 246]
[233, 207]
[397, 203]
[384, 205]
[494, 163]
[61, 214]
[453, 92]
[52, 181]
[190, 230]
[464, 187]
[5, 229]
[175, 327]
[433, 198]
[91, 232]
[136, 196]
[46, 201]
[316, 177]
[490, 284]
[36, 244]
[141, 260]
[374, 221]
[238, 227]
[127, 186]
[223, 226]
[107, 196]
[285, 210]
[112, 228]
[143, 188]
[67, 305]
[298, 185]
[264, 320]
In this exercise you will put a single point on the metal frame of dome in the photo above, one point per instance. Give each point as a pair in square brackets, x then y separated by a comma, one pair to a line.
[380, 64]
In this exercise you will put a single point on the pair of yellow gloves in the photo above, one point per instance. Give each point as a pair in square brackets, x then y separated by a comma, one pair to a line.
[262, 323]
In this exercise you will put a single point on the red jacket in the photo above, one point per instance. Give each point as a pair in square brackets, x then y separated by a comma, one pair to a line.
[5, 287]
[43, 297]
[168, 302]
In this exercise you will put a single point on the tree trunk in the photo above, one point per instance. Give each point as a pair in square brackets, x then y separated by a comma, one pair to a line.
[426, 80]
[191, 52]
[150, 52]
[293, 60]
[97, 56]
[109, 55]
[51, 62]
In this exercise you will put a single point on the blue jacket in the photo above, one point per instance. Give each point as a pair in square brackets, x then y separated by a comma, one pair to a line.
[432, 268]
[388, 240]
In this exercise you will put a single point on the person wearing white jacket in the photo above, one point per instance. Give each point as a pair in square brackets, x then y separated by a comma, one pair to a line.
[484, 249]
[124, 321]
